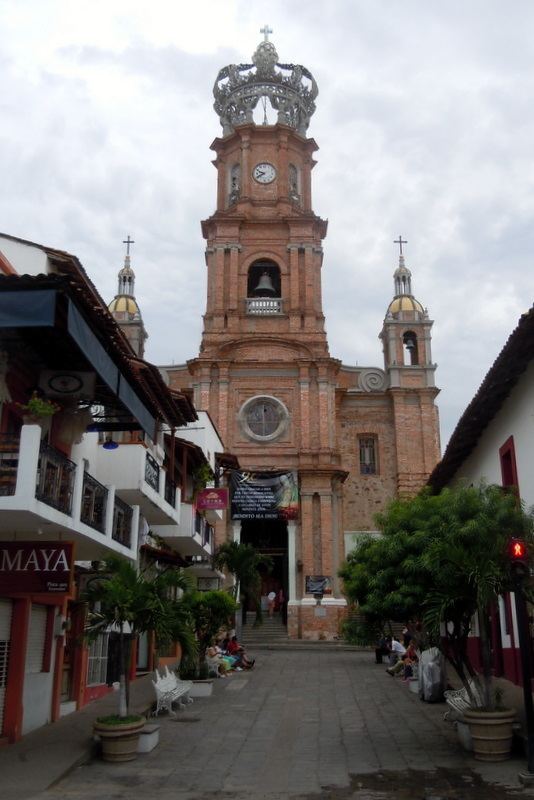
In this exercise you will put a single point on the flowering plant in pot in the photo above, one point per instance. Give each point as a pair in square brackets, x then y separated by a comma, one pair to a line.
[38, 406]
[38, 411]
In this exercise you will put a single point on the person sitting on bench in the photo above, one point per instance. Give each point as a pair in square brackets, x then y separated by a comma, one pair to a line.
[405, 663]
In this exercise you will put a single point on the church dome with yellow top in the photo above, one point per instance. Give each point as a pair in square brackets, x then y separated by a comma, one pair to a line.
[122, 304]
[405, 303]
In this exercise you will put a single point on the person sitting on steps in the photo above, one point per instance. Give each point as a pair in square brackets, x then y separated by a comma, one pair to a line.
[405, 663]
[237, 650]
[396, 651]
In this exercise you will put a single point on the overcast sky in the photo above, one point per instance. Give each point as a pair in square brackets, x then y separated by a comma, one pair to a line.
[425, 123]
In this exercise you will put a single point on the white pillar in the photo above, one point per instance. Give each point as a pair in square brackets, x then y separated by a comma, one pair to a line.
[110, 508]
[30, 443]
[78, 490]
[236, 528]
[134, 532]
[292, 561]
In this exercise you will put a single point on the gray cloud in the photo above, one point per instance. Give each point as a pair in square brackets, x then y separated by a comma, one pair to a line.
[425, 126]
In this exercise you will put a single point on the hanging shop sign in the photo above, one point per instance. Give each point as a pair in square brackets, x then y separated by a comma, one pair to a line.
[264, 495]
[212, 500]
[36, 567]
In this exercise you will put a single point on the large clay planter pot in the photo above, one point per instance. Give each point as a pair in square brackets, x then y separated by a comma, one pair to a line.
[491, 732]
[119, 742]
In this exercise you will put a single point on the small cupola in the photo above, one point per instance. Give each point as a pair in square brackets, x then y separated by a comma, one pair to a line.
[404, 306]
[124, 309]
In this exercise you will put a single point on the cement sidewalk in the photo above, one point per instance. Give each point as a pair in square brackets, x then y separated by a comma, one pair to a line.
[42, 757]
[318, 724]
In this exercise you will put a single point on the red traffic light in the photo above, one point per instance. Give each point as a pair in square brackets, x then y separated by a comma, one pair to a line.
[517, 550]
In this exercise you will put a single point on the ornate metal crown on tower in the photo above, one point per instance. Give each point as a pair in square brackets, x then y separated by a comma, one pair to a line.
[290, 88]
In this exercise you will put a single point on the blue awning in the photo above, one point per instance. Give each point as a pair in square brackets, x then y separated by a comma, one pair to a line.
[136, 407]
[35, 309]
[92, 349]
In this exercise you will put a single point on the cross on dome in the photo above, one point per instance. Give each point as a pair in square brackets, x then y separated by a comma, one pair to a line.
[128, 242]
[266, 31]
[400, 241]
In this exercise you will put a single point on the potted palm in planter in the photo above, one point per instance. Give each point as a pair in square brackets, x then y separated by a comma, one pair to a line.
[209, 612]
[128, 602]
[242, 560]
[472, 569]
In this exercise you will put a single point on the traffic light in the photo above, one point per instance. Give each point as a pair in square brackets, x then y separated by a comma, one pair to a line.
[518, 555]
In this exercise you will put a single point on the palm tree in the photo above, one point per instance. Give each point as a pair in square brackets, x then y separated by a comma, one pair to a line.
[124, 597]
[209, 612]
[243, 562]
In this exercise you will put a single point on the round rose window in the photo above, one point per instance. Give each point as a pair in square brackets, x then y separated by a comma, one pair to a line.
[263, 418]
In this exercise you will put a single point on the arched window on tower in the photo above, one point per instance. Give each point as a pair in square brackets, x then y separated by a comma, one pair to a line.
[409, 343]
[294, 183]
[235, 184]
[264, 288]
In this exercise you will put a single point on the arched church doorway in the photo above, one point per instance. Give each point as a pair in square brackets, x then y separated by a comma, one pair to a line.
[269, 537]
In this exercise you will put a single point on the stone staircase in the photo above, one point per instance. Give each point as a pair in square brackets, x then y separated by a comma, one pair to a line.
[271, 631]
[272, 635]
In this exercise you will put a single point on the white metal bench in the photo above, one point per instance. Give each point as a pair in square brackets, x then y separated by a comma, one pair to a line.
[169, 690]
[459, 702]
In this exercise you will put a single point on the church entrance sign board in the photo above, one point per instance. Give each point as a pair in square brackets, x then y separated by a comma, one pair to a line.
[257, 495]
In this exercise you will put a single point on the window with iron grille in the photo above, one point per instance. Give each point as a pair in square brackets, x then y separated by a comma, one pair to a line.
[368, 455]
[97, 665]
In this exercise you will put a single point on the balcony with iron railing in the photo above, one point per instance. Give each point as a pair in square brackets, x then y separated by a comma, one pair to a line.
[55, 479]
[122, 523]
[44, 493]
[170, 490]
[94, 503]
[192, 537]
[140, 479]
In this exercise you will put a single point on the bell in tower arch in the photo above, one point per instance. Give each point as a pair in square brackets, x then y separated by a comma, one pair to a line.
[265, 286]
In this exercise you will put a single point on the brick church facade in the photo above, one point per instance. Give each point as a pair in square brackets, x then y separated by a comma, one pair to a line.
[355, 437]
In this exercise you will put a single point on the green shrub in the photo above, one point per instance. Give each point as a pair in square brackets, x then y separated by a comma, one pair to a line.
[360, 632]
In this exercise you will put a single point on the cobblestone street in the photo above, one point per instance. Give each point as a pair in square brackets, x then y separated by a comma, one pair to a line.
[302, 725]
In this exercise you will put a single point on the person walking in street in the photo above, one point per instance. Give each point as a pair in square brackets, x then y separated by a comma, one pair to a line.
[271, 599]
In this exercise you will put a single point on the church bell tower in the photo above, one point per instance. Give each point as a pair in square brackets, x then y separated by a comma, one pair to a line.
[264, 371]
[264, 252]
[341, 440]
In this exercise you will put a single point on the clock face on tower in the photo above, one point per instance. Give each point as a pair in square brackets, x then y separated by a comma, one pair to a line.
[264, 173]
